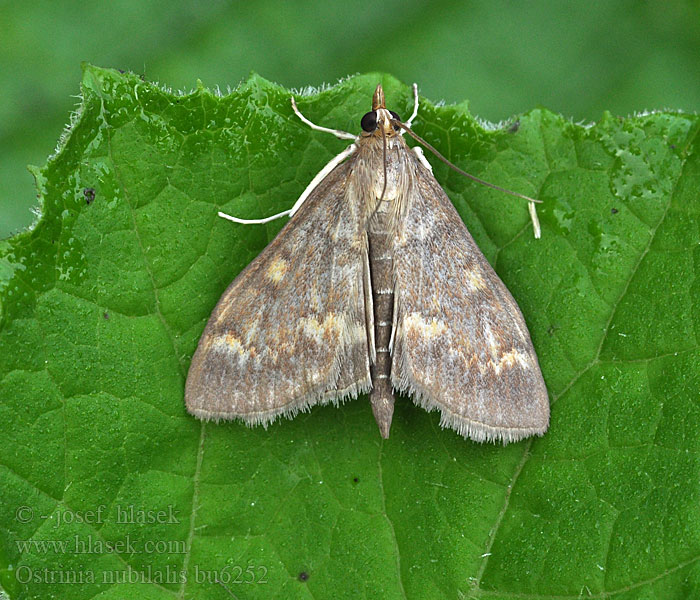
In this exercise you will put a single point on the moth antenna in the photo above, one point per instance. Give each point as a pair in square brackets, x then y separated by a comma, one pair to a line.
[385, 170]
[421, 141]
[533, 213]
[342, 135]
[385, 175]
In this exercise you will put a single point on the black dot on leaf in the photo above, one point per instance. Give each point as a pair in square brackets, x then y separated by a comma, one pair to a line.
[614, 211]
[303, 576]
[89, 194]
[106, 316]
[514, 127]
[356, 479]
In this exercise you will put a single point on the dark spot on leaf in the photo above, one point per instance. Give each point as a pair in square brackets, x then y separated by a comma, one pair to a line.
[303, 576]
[356, 479]
[614, 211]
[514, 127]
[223, 585]
[89, 194]
[106, 316]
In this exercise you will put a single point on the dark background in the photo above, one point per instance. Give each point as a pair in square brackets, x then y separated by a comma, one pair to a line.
[577, 58]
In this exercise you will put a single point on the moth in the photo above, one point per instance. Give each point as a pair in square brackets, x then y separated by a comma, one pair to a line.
[373, 286]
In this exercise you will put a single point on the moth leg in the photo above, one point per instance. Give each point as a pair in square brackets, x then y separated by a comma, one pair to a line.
[332, 164]
[342, 135]
[536, 229]
[223, 215]
[321, 175]
[415, 107]
[418, 151]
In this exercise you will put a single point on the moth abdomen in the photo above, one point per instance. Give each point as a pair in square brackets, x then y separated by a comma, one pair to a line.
[381, 265]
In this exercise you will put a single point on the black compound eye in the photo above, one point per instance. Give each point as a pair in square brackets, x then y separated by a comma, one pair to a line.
[369, 122]
[396, 116]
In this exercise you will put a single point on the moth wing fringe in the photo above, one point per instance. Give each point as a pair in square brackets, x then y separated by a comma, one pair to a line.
[330, 395]
[289, 410]
[463, 425]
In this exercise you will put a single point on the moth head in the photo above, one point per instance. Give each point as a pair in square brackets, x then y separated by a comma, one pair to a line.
[379, 118]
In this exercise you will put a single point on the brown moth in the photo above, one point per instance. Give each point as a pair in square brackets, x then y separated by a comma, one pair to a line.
[374, 285]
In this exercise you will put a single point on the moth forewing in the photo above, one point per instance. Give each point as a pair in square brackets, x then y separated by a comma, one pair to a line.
[290, 331]
[373, 285]
[461, 344]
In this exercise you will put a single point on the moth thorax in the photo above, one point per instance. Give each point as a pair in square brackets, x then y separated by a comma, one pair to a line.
[394, 176]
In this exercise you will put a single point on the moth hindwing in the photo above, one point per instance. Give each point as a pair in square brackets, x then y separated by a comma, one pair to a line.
[374, 285]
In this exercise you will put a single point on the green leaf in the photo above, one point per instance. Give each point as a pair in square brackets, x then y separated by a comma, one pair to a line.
[109, 488]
